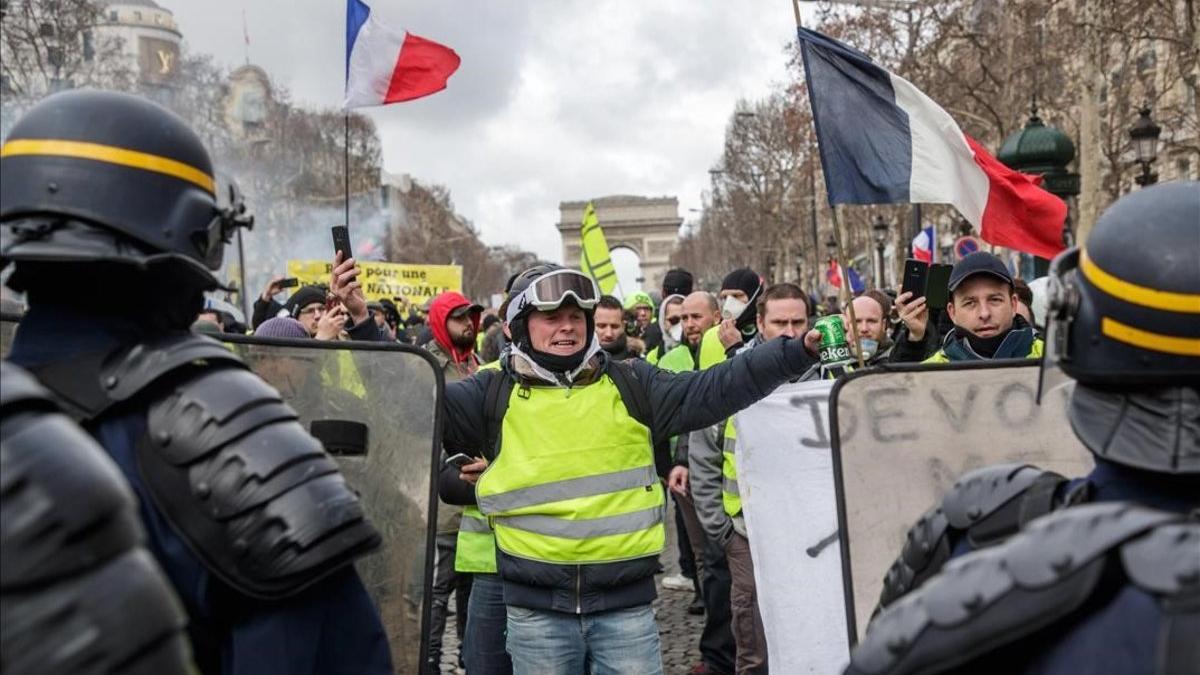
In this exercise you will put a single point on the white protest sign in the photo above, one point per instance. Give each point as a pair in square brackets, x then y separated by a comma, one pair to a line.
[785, 476]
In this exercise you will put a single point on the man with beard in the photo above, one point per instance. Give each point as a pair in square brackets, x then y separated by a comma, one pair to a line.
[870, 313]
[571, 485]
[610, 329]
[454, 321]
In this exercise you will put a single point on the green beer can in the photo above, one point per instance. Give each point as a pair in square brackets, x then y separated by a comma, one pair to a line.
[834, 350]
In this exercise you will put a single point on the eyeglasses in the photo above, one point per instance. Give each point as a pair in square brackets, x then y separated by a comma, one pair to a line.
[312, 309]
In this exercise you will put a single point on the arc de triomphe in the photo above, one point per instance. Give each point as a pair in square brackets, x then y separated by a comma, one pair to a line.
[649, 226]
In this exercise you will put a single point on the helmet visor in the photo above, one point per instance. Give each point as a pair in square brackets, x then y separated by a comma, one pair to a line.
[1062, 303]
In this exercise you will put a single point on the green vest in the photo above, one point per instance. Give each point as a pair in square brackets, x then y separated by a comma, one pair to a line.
[731, 498]
[678, 360]
[476, 552]
[712, 351]
[574, 481]
[1035, 352]
[476, 548]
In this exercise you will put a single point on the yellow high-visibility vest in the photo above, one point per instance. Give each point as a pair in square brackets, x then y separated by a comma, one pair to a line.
[574, 481]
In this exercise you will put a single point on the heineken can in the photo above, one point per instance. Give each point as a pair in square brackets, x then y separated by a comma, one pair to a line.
[835, 351]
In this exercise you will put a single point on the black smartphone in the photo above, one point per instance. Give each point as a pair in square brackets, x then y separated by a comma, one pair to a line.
[916, 275]
[290, 282]
[937, 291]
[341, 241]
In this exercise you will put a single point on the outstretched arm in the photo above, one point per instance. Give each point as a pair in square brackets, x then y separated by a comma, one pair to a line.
[686, 401]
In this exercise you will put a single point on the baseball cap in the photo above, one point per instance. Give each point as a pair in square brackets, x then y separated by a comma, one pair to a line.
[463, 310]
[979, 262]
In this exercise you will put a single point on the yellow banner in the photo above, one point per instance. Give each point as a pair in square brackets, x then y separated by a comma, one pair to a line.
[414, 283]
[594, 258]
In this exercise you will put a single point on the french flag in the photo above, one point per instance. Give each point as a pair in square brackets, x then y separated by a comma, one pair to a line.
[883, 141]
[383, 66]
[922, 245]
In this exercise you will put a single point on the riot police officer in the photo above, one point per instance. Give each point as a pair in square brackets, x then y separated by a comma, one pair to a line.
[72, 563]
[110, 211]
[1111, 584]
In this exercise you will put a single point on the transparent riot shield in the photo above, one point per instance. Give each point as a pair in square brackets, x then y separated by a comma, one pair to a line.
[376, 408]
[902, 436]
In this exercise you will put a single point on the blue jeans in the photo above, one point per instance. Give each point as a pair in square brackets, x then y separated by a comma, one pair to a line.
[483, 644]
[622, 641]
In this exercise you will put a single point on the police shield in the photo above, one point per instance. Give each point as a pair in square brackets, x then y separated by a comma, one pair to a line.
[902, 435]
[375, 407]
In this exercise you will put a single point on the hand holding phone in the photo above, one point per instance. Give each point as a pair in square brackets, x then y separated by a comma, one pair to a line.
[341, 241]
[458, 460]
[916, 277]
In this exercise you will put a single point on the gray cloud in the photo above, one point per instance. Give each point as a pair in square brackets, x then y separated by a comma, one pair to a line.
[555, 99]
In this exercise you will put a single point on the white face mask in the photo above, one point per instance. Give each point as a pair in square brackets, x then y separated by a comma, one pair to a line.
[676, 332]
[869, 347]
[732, 308]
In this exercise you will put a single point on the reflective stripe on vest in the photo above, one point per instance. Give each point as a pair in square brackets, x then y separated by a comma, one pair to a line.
[731, 496]
[476, 552]
[574, 480]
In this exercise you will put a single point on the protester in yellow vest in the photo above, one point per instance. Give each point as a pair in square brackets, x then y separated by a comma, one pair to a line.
[782, 310]
[571, 485]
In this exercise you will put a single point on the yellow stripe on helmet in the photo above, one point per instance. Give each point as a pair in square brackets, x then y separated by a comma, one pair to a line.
[112, 155]
[1170, 344]
[1188, 303]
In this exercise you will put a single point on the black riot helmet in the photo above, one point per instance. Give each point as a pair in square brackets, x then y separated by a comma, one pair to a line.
[1124, 322]
[105, 177]
[1125, 308]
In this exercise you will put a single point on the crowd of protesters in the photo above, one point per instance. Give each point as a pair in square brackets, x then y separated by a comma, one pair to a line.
[682, 330]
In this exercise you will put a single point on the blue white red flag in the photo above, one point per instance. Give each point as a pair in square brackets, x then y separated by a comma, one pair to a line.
[922, 245]
[883, 141]
[834, 276]
[384, 66]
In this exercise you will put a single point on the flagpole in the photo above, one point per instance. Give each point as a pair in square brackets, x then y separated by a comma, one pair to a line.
[346, 164]
[837, 237]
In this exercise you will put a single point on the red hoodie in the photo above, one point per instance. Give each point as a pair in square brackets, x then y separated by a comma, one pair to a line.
[439, 311]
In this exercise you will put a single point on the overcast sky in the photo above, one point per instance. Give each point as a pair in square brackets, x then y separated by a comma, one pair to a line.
[555, 100]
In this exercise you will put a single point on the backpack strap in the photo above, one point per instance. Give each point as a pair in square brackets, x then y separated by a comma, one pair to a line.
[499, 388]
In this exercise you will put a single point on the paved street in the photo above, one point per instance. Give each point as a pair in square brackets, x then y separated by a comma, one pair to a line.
[679, 631]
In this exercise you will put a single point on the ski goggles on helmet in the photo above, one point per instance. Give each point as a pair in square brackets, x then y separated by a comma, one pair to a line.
[549, 291]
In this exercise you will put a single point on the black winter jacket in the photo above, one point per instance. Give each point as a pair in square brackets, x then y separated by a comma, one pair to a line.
[679, 402]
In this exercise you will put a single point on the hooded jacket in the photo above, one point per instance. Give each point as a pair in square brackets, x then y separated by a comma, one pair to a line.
[460, 358]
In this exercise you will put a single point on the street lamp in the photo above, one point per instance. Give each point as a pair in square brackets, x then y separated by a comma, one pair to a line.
[880, 229]
[1144, 134]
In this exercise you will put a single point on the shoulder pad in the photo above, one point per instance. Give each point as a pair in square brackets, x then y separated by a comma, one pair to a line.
[996, 596]
[986, 506]
[1165, 561]
[986, 502]
[249, 489]
[91, 384]
[926, 550]
[21, 387]
[118, 617]
[78, 593]
[65, 506]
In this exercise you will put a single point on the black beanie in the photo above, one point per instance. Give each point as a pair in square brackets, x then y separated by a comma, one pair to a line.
[305, 295]
[677, 281]
[747, 281]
